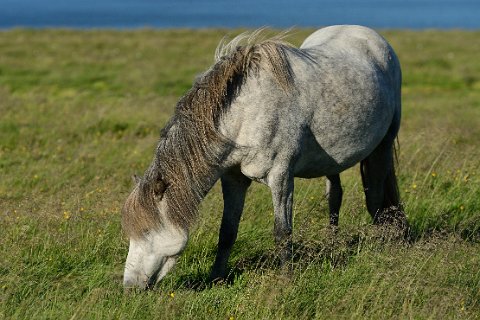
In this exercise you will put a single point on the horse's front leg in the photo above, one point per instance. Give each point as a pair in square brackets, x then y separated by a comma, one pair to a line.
[281, 185]
[234, 188]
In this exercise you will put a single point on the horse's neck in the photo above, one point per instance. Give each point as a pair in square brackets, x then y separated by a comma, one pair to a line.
[190, 168]
[188, 174]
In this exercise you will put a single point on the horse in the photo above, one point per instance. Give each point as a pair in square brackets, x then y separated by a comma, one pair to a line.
[267, 111]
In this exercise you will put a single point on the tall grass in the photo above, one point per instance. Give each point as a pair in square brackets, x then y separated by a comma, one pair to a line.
[80, 112]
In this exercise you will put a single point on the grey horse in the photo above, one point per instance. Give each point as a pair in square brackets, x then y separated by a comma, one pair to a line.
[269, 112]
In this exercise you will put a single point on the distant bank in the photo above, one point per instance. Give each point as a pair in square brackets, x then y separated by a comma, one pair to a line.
[413, 14]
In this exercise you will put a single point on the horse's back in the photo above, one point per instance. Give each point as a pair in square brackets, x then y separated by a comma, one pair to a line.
[356, 39]
[347, 84]
[355, 96]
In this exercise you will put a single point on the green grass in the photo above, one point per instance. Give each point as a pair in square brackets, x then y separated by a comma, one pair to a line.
[80, 112]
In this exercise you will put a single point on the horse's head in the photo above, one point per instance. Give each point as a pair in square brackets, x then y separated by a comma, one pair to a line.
[155, 242]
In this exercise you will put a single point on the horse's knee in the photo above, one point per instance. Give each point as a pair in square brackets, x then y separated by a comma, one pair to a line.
[281, 184]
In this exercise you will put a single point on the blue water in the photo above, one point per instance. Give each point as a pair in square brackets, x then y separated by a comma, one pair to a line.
[414, 14]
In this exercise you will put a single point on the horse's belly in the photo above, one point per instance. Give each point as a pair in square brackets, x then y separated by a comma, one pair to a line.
[316, 165]
[314, 161]
[328, 149]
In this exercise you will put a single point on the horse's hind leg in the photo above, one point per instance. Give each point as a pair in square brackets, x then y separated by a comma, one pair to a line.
[380, 186]
[234, 187]
[334, 194]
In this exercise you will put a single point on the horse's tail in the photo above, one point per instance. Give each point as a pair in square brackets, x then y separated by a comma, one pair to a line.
[391, 195]
[391, 209]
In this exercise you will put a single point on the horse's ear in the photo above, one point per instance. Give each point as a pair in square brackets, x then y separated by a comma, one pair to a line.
[159, 187]
[136, 179]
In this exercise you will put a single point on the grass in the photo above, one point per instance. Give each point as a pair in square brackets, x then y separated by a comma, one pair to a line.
[80, 112]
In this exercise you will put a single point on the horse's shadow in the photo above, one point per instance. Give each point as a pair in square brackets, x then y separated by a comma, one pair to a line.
[333, 248]
[200, 280]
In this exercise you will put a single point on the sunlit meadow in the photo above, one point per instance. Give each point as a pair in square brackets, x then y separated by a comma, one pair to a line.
[80, 112]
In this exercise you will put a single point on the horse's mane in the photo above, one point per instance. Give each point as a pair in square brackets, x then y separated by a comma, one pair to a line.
[191, 147]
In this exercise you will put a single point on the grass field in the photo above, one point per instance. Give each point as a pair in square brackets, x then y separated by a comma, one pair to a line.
[80, 112]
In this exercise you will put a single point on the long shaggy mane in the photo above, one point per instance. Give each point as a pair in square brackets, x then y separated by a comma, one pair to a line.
[191, 148]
